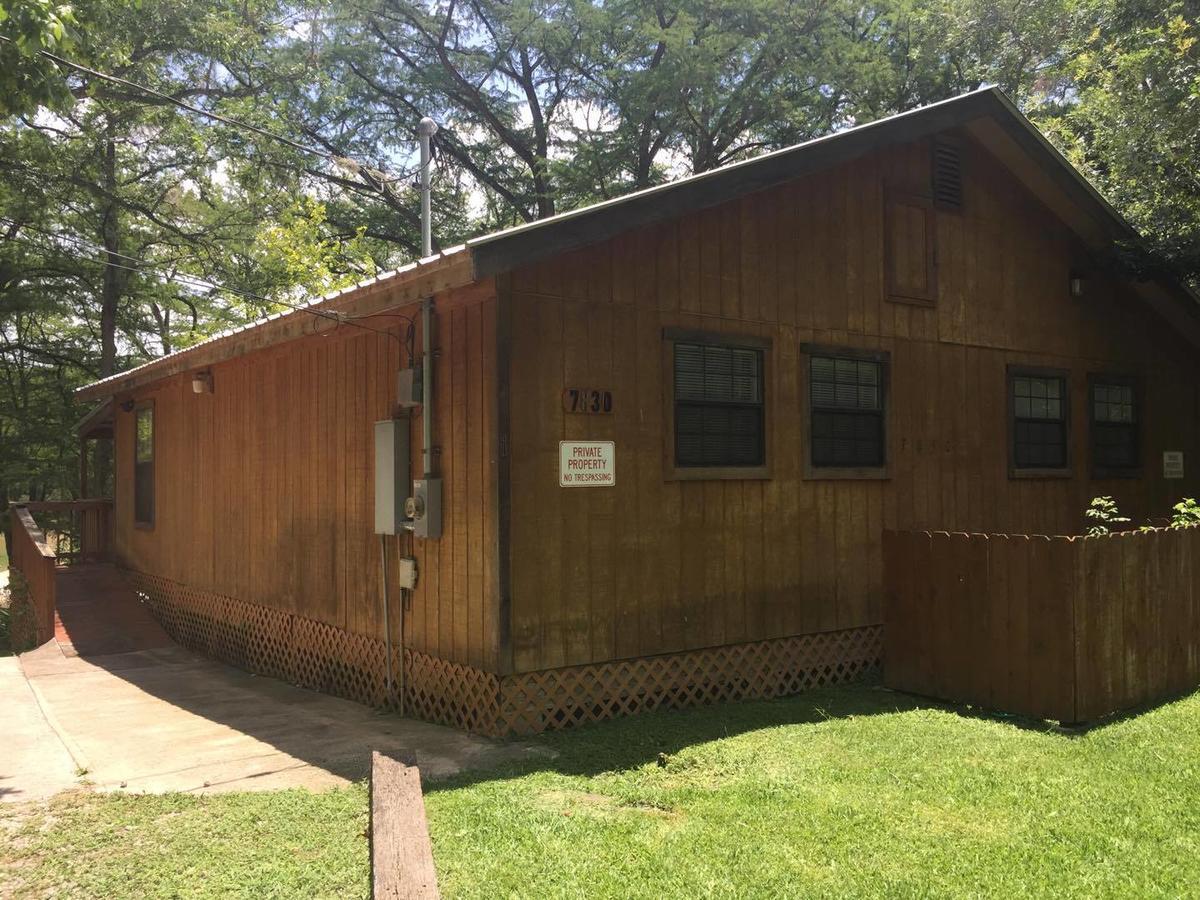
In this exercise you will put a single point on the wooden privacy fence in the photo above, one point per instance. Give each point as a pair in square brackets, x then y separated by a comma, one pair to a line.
[34, 560]
[1066, 628]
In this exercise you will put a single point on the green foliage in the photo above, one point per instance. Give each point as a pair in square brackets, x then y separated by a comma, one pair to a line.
[1102, 513]
[544, 105]
[1186, 513]
[299, 252]
[27, 79]
[18, 623]
[852, 792]
[1127, 112]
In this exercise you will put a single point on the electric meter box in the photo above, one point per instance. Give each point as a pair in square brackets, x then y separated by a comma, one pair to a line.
[391, 475]
[409, 387]
[425, 508]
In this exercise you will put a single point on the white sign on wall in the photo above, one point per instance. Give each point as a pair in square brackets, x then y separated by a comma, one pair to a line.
[1172, 464]
[587, 464]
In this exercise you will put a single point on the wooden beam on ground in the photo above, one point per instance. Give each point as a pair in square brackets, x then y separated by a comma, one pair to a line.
[401, 854]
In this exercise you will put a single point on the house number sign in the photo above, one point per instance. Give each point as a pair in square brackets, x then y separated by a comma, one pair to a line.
[593, 401]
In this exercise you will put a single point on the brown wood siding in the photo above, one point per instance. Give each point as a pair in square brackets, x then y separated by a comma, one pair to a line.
[264, 488]
[652, 565]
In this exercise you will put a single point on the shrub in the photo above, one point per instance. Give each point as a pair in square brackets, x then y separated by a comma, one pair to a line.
[1102, 513]
[1186, 513]
[19, 626]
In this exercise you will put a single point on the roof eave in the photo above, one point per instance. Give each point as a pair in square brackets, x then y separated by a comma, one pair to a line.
[424, 278]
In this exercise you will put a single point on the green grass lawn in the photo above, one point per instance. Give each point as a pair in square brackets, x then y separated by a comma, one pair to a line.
[845, 792]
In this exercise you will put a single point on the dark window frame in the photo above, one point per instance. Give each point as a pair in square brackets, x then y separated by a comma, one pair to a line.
[845, 473]
[139, 520]
[1115, 379]
[672, 471]
[1021, 371]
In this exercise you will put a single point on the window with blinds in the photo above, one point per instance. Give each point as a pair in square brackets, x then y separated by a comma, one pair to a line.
[1039, 412]
[846, 400]
[1114, 426]
[143, 466]
[718, 406]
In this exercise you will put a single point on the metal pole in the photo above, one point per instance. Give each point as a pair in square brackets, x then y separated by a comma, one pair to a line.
[426, 129]
[427, 388]
[387, 629]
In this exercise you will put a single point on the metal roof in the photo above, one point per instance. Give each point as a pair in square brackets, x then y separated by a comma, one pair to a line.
[510, 248]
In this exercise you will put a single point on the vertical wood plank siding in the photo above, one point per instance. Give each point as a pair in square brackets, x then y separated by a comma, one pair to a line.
[1061, 628]
[264, 488]
[658, 566]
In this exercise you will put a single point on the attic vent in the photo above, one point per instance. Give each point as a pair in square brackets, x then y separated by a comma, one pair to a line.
[947, 175]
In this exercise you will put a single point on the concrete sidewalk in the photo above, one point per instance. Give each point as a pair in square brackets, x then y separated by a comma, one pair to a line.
[167, 720]
[34, 763]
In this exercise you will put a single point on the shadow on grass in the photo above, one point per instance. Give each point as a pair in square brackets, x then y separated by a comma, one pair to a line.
[638, 740]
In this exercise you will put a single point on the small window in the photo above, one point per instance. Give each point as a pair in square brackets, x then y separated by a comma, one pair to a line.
[1114, 430]
[718, 406]
[143, 466]
[1039, 412]
[846, 405]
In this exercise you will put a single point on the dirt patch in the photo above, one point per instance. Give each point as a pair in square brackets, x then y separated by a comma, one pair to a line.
[571, 803]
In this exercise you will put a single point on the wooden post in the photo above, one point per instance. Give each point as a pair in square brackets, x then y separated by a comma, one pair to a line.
[83, 469]
[401, 854]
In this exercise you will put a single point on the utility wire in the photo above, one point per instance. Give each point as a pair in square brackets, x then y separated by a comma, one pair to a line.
[343, 161]
[197, 283]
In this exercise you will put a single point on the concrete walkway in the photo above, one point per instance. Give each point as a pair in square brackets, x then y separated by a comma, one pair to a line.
[167, 720]
[114, 699]
[34, 763]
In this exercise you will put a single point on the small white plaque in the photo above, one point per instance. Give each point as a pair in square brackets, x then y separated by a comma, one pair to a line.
[1172, 464]
[587, 464]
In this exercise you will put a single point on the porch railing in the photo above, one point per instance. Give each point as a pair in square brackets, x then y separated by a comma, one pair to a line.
[33, 564]
[77, 530]
[71, 531]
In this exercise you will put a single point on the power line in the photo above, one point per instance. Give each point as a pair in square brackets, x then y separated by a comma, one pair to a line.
[343, 161]
[197, 283]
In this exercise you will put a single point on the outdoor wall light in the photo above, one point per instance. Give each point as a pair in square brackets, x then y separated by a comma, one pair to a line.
[1077, 284]
[202, 383]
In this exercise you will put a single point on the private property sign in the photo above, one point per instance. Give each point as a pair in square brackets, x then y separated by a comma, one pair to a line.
[587, 464]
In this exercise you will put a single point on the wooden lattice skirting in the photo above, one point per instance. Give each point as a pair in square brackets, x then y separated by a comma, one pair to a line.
[329, 659]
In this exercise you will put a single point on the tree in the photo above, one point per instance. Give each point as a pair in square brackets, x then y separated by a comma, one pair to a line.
[1127, 112]
[29, 79]
[121, 211]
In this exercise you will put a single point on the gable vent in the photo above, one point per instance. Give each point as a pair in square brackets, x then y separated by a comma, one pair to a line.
[947, 175]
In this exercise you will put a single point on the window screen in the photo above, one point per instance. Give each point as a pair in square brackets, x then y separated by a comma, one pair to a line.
[143, 465]
[1114, 426]
[847, 412]
[718, 406]
[1039, 422]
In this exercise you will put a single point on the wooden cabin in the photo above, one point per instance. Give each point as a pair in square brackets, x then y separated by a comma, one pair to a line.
[670, 430]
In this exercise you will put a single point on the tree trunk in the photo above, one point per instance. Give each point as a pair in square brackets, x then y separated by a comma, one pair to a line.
[110, 295]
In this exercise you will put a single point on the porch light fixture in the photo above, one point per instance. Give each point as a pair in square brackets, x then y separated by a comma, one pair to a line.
[1077, 284]
[202, 383]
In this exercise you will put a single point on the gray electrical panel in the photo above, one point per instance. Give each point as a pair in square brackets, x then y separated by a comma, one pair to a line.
[409, 387]
[391, 475]
[425, 508]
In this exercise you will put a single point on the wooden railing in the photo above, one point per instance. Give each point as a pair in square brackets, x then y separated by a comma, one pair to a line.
[34, 564]
[1066, 628]
[77, 530]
